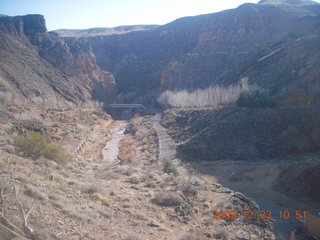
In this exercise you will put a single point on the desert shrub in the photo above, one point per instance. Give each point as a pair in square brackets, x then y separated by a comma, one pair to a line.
[168, 167]
[254, 100]
[127, 151]
[221, 234]
[34, 193]
[36, 145]
[141, 133]
[189, 189]
[93, 188]
[134, 179]
[167, 199]
[97, 197]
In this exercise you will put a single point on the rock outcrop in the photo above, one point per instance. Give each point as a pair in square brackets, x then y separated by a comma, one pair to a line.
[37, 67]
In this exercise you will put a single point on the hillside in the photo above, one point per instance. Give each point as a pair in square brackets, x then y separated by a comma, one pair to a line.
[39, 68]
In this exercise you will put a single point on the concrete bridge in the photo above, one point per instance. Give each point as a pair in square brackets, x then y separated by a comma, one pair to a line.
[124, 111]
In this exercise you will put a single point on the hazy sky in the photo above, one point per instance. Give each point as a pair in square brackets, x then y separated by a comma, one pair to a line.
[78, 14]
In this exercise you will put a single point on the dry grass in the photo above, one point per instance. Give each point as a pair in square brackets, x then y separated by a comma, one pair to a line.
[36, 145]
[189, 189]
[132, 236]
[169, 167]
[35, 193]
[190, 236]
[71, 212]
[221, 234]
[167, 199]
[93, 188]
[97, 197]
[127, 150]
[134, 179]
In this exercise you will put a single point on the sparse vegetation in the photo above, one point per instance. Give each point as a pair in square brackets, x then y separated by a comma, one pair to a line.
[221, 234]
[254, 100]
[127, 151]
[93, 188]
[85, 196]
[190, 236]
[10, 203]
[134, 179]
[97, 197]
[36, 145]
[168, 167]
[133, 237]
[167, 199]
[189, 189]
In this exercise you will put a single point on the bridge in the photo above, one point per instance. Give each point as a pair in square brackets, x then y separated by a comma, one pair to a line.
[126, 106]
[124, 111]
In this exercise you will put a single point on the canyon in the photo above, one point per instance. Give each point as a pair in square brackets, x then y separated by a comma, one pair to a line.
[232, 104]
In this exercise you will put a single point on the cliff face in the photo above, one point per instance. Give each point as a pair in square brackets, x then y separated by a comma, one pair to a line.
[38, 67]
[196, 52]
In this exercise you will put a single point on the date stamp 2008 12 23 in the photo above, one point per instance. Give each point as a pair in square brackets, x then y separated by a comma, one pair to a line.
[265, 214]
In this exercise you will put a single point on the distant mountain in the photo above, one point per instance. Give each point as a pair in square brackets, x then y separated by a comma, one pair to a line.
[102, 31]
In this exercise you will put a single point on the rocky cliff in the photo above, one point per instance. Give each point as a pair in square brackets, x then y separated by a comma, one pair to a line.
[196, 52]
[37, 67]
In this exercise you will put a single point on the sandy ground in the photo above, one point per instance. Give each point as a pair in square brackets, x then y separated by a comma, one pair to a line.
[111, 150]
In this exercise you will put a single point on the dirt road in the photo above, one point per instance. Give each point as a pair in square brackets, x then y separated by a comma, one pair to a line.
[167, 149]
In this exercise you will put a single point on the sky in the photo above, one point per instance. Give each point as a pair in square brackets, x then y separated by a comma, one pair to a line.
[81, 14]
